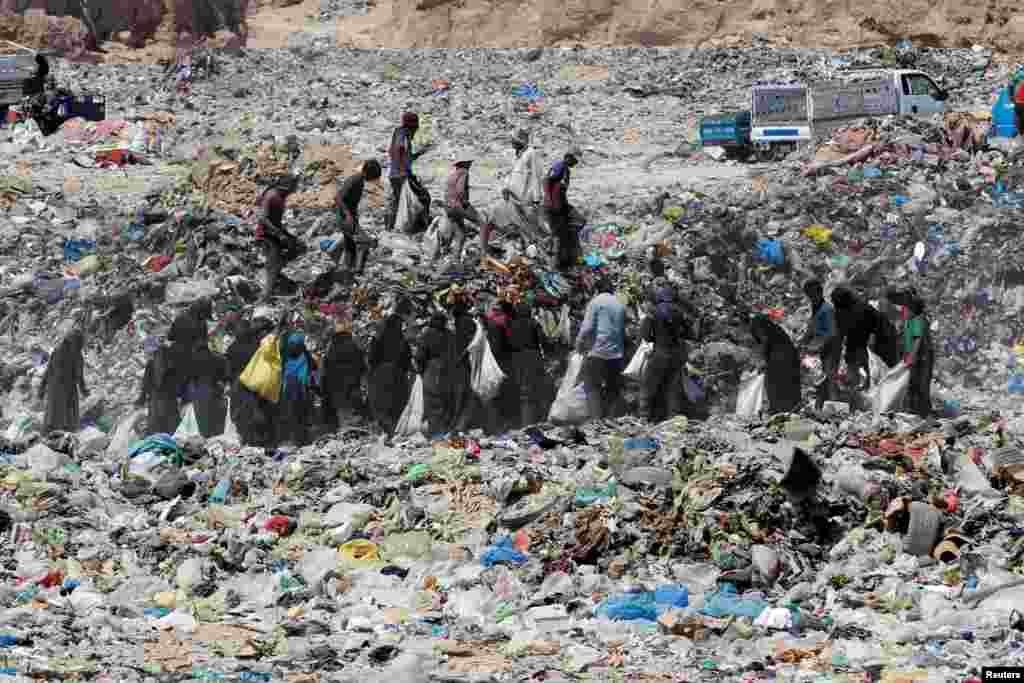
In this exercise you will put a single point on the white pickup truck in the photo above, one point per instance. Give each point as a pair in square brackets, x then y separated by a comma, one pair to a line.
[784, 115]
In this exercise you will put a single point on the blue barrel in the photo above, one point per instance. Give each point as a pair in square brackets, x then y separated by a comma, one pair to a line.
[1004, 120]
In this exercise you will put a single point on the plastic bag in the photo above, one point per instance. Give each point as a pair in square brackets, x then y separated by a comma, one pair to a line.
[126, 434]
[189, 426]
[694, 391]
[409, 209]
[891, 390]
[565, 326]
[572, 404]
[263, 373]
[636, 367]
[751, 396]
[20, 427]
[487, 375]
[230, 431]
[359, 553]
[432, 239]
[411, 421]
[502, 552]
[877, 368]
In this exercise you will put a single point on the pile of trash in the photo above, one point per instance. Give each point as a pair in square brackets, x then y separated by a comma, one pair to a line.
[732, 548]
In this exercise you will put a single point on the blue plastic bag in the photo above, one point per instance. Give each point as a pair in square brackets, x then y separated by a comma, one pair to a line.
[75, 250]
[644, 605]
[502, 552]
[771, 252]
[725, 602]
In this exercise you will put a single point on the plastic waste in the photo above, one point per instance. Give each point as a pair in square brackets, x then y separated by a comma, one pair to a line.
[502, 552]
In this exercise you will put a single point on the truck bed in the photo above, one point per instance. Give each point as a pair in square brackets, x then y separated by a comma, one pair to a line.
[833, 100]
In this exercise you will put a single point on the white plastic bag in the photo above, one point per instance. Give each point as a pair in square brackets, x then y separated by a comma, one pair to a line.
[891, 390]
[432, 239]
[230, 431]
[126, 434]
[189, 426]
[409, 209]
[751, 396]
[877, 368]
[572, 404]
[487, 376]
[636, 367]
[565, 326]
[411, 421]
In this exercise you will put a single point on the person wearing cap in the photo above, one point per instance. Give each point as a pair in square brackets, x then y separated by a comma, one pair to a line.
[346, 202]
[278, 243]
[602, 337]
[558, 210]
[519, 210]
[389, 361]
[458, 206]
[401, 156]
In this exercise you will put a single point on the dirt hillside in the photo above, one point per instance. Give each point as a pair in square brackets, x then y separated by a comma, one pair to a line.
[531, 23]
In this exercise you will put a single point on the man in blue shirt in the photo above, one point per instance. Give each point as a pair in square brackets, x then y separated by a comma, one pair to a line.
[602, 337]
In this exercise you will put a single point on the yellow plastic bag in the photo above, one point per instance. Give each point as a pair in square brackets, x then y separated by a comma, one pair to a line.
[263, 373]
[359, 553]
[821, 235]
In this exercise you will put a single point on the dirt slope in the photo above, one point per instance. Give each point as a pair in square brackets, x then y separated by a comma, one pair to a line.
[701, 23]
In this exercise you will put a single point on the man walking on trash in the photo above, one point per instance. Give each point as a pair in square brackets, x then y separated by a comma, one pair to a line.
[558, 210]
[519, 209]
[279, 245]
[353, 242]
[604, 331]
[458, 206]
[401, 156]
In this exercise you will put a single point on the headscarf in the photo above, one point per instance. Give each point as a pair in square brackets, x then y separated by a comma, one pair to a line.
[410, 120]
[296, 368]
[664, 309]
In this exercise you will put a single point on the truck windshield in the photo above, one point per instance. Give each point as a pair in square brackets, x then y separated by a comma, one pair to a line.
[919, 84]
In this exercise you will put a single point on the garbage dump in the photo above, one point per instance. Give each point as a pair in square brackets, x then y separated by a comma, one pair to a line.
[727, 541]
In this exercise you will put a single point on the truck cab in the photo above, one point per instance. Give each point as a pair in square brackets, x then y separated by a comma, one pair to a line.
[919, 95]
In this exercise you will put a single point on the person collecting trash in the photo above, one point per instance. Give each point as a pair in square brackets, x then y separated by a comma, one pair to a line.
[207, 376]
[354, 242]
[161, 385]
[63, 380]
[279, 245]
[558, 210]
[525, 362]
[390, 360]
[518, 211]
[602, 337]
[295, 409]
[466, 406]
[857, 324]
[663, 390]
[781, 365]
[458, 207]
[250, 413]
[821, 339]
[401, 156]
[342, 371]
[433, 362]
[918, 352]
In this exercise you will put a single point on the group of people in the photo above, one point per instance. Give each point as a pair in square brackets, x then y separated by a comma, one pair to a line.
[846, 329]
[529, 198]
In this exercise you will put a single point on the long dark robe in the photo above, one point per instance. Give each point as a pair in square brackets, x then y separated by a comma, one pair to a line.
[919, 391]
[63, 379]
[782, 374]
[341, 378]
[466, 407]
[160, 388]
[390, 361]
[295, 409]
[249, 412]
[434, 357]
[208, 372]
